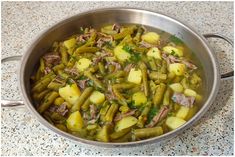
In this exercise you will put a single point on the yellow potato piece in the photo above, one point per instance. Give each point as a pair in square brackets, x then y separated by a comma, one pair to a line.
[102, 135]
[135, 76]
[139, 98]
[177, 87]
[70, 43]
[97, 97]
[190, 92]
[75, 121]
[155, 53]
[178, 68]
[125, 122]
[174, 122]
[151, 37]
[173, 50]
[70, 93]
[121, 54]
[83, 64]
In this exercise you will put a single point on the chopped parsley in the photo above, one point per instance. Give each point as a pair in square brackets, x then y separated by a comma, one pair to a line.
[127, 48]
[153, 111]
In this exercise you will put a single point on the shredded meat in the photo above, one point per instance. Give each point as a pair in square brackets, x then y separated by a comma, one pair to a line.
[110, 95]
[117, 65]
[51, 58]
[120, 116]
[82, 83]
[100, 58]
[116, 27]
[172, 59]
[183, 100]
[72, 71]
[93, 111]
[62, 109]
[144, 44]
[47, 70]
[160, 116]
[128, 67]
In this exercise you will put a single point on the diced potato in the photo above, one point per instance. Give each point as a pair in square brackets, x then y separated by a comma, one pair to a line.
[102, 135]
[174, 51]
[58, 101]
[177, 87]
[125, 122]
[177, 68]
[151, 37]
[75, 121]
[70, 43]
[97, 97]
[186, 113]
[121, 54]
[198, 97]
[182, 112]
[83, 64]
[190, 92]
[155, 53]
[70, 93]
[135, 76]
[174, 122]
[139, 98]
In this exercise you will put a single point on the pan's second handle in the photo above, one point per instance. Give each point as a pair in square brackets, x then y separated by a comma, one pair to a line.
[11, 103]
[230, 74]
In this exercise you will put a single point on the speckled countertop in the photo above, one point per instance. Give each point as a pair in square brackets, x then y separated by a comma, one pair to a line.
[21, 132]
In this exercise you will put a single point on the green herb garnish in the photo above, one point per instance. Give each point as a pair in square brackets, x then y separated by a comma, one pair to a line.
[153, 111]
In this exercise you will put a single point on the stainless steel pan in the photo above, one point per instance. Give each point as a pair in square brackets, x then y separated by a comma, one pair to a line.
[100, 17]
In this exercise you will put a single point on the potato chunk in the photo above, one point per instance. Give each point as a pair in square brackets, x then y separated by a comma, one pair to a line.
[102, 135]
[83, 64]
[151, 37]
[173, 50]
[139, 98]
[186, 113]
[97, 97]
[121, 54]
[190, 92]
[177, 87]
[70, 43]
[135, 76]
[75, 121]
[178, 68]
[70, 93]
[125, 122]
[155, 53]
[174, 122]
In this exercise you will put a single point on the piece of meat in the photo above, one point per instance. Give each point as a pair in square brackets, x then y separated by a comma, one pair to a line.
[51, 58]
[47, 70]
[183, 100]
[93, 111]
[117, 65]
[120, 116]
[72, 71]
[62, 109]
[103, 40]
[160, 116]
[110, 95]
[82, 83]
[146, 45]
[97, 59]
[128, 67]
[116, 27]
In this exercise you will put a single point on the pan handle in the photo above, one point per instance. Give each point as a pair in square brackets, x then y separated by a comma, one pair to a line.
[11, 103]
[228, 75]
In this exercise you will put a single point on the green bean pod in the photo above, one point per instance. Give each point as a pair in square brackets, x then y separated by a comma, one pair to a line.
[39, 96]
[159, 94]
[144, 78]
[64, 55]
[85, 105]
[147, 132]
[42, 85]
[166, 98]
[101, 68]
[116, 135]
[47, 102]
[97, 82]
[85, 94]
[111, 112]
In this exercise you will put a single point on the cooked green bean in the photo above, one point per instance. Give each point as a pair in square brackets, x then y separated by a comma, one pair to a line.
[166, 97]
[147, 132]
[85, 94]
[145, 79]
[119, 83]
[94, 79]
[47, 102]
[159, 94]
[85, 105]
[111, 112]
